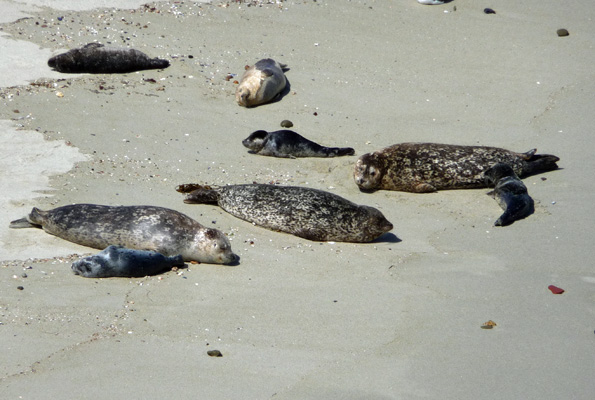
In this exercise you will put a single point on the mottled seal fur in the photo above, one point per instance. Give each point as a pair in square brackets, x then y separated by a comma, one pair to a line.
[135, 227]
[261, 83]
[117, 261]
[428, 167]
[290, 144]
[308, 213]
[510, 193]
[95, 58]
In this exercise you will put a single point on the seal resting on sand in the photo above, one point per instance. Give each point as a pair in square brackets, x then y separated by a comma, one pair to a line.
[510, 193]
[95, 58]
[117, 261]
[261, 83]
[135, 227]
[290, 144]
[308, 213]
[428, 167]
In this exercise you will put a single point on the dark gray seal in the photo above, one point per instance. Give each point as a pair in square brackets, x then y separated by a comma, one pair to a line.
[135, 227]
[428, 167]
[510, 193]
[290, 144]
[95, 58]
[261, 83]
[308, 213]
[117, 261]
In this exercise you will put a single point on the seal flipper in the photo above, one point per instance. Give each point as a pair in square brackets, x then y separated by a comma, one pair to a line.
[202, 195]
[536, 163]
[339, 151]
[33, 220]
[22, 223]
[423, 188]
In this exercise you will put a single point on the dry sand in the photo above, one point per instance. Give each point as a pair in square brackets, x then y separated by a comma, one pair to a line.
[299, 319]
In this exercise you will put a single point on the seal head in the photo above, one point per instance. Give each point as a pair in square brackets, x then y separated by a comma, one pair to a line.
[261, 83]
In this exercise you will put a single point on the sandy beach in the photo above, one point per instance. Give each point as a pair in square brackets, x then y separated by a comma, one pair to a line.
[398, 318]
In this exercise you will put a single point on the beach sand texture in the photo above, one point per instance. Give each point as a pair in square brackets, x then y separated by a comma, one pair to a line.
[399, 318]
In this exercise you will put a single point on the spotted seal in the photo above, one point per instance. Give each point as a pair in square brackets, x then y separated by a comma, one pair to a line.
[261, 83]
[290, 144]
[308, 213]
[510, 193]
[428, 167]
[95, 58]
[117, 261]
[136, 227]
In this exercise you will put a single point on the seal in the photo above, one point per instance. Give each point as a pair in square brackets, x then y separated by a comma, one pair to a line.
[117, 261]
[428, 167]
[136, 227]
[308, 213]
[290, 144]
[510, 193]
[261, 83]
[95, 58]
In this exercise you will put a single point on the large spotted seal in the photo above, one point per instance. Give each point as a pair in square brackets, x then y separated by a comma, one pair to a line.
[261, 83]
[95, 58]
[428, 167]
[308, 213]
[117, 261]
[510, 193]
[290, 144]
[136, 227]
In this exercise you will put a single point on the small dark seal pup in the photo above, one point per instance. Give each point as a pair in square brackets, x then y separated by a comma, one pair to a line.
[95, 58]
[117, 261]
[510, 193]
[428, 167]
[308, 213]
[290, 144]
[261, 83]
[135, 227]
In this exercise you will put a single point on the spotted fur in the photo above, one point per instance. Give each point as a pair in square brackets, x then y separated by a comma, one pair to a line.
[308, 213]
[428, 167]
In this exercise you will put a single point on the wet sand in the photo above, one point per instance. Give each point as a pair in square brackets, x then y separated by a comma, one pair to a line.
[299, 319]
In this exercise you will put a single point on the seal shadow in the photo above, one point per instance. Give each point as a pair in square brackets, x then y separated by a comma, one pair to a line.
[387, 237]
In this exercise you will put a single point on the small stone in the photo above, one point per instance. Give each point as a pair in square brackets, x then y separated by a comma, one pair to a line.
[489, 11]
[555, 289]
[23, 275]
[286, 123]
[562, 32]
[20, 288]
[488, 325]
[214, 353]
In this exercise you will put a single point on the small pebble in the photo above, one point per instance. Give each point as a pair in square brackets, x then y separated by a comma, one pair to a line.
[20, 288]
[286, 123]
[214, 353]
[555, 289]
[489, 11]
[488, 325]
[23, 275]
[562, 32]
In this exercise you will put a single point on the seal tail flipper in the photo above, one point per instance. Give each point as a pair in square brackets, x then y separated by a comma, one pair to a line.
[158, 63]
[202, 195]
[33, 220]
[176, 261]
[537, 163]
[339, 151]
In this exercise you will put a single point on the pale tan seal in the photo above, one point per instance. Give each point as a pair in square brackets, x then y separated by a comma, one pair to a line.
[159, 229]
[428, 167]
[261, 83]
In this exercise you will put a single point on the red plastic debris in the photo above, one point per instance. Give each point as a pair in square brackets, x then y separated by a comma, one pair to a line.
[555, 289]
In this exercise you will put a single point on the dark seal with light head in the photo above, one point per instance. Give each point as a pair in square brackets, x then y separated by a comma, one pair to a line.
[261, 83]
[95, 58]
[308, 213]
[290, 144]
[117, 261]
[428, 167]
[510, 193]
[135, 227]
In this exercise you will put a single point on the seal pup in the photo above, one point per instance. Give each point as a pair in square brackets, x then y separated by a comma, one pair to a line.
[95, 58]
[261, 83]
[510, 193]
[117, 261]
[290, 144]
[308, 213]
[136, 227]
[428, 167]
